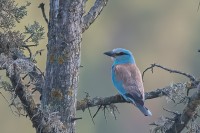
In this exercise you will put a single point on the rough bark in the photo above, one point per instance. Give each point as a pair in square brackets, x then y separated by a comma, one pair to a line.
[63, 61]
[188, 114]
[94, 12]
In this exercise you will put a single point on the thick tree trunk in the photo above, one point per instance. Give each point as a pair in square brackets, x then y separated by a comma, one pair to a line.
[62, 67]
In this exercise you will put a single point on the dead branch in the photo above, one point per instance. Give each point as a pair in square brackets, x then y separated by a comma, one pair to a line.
[43, 12]
[191, 77]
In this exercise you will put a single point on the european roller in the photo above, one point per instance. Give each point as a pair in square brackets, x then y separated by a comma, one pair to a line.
[127, 78]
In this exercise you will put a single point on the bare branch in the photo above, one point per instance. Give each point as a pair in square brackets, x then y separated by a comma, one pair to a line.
[94, 12]
[97, 101]
[188, 113]
[43, 12]
[30, 52]
[192, 78]
[28, 38]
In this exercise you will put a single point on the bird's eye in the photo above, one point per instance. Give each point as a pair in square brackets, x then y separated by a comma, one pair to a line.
[121, 53]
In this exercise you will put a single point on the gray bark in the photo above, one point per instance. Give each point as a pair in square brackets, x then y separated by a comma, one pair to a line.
[62, 67]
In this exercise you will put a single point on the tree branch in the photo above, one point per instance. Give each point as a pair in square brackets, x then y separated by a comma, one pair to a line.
[191, 77]
[20, 89]
[43, 12]
[84, 104]
[28, 102]
[94, 12]
[188, 113]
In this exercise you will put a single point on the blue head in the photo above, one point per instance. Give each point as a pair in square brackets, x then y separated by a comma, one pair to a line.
[121, 56]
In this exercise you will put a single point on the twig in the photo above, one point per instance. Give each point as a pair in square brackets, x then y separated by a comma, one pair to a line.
[97, 111]
[104, 112]
[29, 38]
[7, 102]
[88, 107]
[114, 108]
[192, 78]
[43, 12]
[4, 98]
[93, 13]
[30, 53]
[34, 45]
[90, 114]
[24, 77]
[174, 113]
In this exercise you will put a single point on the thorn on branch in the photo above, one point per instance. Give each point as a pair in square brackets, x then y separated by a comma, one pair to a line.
[75, 119]
[192, 78]
[172, 112]
[43, 12]
[24, 77]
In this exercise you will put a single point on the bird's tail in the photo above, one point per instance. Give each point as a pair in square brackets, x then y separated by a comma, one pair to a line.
[144, 110]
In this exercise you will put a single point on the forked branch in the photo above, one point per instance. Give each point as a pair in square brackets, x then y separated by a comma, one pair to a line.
[191, 77]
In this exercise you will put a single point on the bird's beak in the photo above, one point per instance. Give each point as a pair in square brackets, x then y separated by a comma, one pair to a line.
[109, 53]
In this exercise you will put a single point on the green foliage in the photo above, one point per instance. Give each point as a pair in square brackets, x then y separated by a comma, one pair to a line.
[20, 12]
[6, 86]
[10, 13]
[11, 41]
[36, 32]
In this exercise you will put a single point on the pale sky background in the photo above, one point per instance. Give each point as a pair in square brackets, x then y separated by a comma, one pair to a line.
[156, 31]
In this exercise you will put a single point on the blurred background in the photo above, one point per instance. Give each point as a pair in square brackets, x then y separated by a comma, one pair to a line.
[156, 31]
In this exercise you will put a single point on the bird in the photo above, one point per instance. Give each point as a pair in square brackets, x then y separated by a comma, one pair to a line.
[127, 78]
